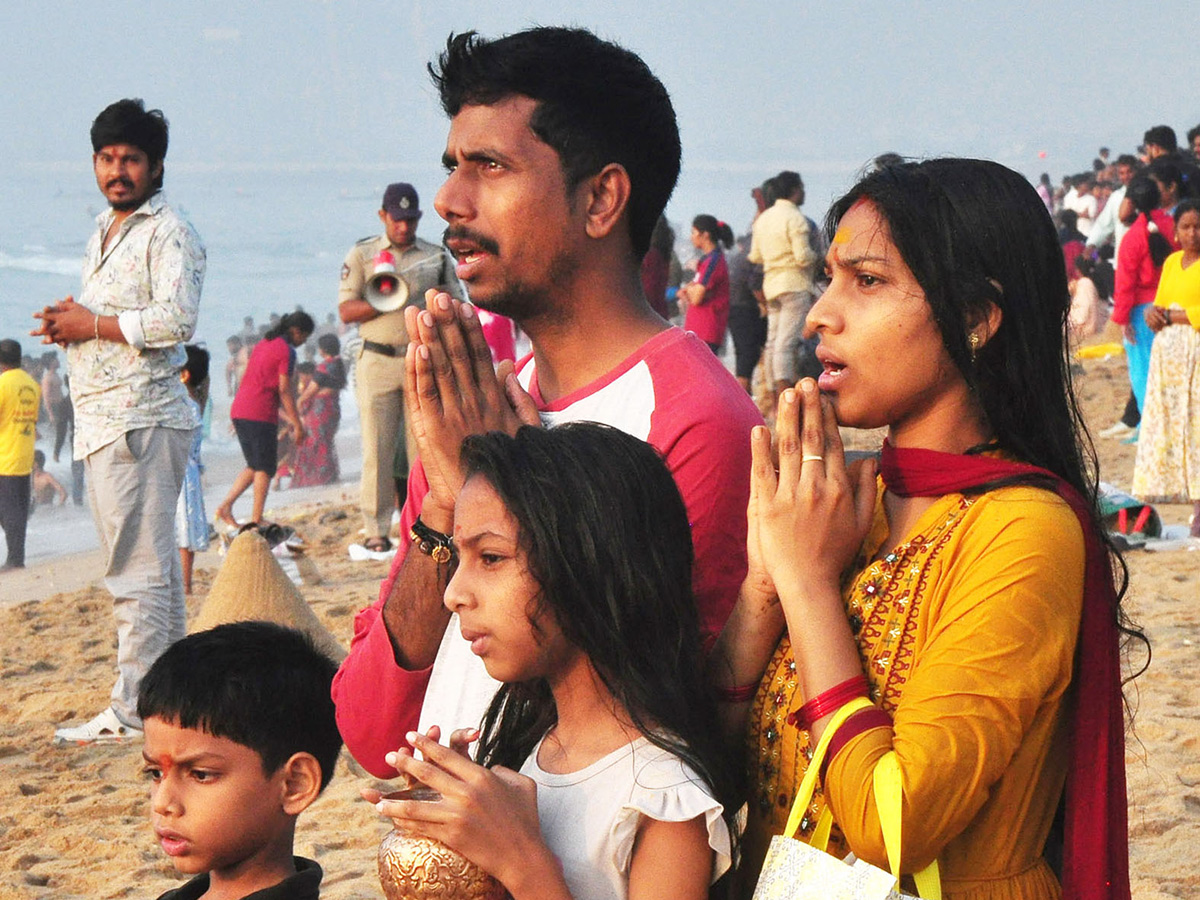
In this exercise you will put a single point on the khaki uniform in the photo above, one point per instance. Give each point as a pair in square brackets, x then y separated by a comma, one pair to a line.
[379, 378]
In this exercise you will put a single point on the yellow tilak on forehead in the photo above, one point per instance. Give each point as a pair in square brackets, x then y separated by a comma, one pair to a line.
[842, 236]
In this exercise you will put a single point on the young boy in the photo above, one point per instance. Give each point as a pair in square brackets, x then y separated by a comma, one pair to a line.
[45, 486]
[240, 739]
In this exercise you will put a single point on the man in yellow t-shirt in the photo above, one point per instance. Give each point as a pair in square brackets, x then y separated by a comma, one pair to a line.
[19, 400]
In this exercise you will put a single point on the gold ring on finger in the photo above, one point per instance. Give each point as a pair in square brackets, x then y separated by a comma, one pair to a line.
[811, 457]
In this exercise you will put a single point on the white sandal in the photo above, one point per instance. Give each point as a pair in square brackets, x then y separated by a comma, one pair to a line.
[105, 728]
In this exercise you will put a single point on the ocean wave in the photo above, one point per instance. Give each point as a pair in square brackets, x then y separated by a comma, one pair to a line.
[42, 263]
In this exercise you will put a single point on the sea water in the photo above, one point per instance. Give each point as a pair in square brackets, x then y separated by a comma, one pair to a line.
[275, 241]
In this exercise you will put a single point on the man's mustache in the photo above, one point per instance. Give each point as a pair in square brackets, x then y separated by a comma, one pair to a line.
[123, 182]
[463, 233]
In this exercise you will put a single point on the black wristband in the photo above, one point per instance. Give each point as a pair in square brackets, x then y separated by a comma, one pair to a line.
[434, 544]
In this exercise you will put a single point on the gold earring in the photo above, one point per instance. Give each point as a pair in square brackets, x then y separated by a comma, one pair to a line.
[973, 340]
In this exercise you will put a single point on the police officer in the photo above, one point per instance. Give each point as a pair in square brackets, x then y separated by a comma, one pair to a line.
[379, 376]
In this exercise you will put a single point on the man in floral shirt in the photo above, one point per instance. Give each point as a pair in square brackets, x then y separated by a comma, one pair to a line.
[142, 273]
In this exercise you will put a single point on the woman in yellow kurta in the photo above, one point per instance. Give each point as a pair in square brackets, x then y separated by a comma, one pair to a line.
[1167, 469]
[956, 589]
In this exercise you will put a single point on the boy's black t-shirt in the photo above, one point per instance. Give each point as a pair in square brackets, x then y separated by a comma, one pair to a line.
[304, 885]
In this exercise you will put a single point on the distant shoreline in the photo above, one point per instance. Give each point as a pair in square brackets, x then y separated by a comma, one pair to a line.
[63, 550]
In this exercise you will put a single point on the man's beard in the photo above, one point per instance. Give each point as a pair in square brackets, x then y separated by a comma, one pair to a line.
[523, 303]
[133, 201]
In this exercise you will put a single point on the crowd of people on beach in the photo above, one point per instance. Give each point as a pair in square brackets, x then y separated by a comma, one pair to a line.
[1128, 228]
[631, 638]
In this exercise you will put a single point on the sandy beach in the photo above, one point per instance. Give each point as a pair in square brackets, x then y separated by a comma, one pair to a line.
[74, 824]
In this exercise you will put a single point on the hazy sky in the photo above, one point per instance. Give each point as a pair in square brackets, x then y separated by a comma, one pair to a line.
[818, 87]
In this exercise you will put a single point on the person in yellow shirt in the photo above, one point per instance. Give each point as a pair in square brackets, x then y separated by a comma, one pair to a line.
[967, 593]
[1167, 469]
[20, 397]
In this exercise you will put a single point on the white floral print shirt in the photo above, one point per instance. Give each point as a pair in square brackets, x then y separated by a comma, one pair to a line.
[150, 278]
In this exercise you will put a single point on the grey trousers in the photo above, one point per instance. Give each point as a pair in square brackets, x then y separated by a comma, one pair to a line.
[133, 486]
[787, 313]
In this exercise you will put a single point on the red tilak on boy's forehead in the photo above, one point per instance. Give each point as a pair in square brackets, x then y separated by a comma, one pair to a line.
[165, 762]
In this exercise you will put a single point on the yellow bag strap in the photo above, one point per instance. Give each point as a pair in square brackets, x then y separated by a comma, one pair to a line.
[888, 799]
[809, 783]
[820, 836]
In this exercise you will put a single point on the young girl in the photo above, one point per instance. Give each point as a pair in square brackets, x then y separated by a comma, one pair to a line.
[707, 296]
[191, 524]
[573, 586]
[968, 593]
[1147, 244]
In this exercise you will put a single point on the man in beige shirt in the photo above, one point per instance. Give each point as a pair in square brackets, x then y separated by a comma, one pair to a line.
[781, 242]
[379, 375]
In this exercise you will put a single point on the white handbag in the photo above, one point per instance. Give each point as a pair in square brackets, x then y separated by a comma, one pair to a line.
[799, 870]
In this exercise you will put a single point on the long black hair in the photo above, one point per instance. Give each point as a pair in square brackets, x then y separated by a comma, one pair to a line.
[974, 234]
[607, 538]
[298, 319]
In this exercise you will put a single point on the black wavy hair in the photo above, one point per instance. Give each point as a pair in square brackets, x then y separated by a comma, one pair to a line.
[597, 103]
[975, 233]
[258, 684]
[129, 122]
[608, 540]
[719, 232]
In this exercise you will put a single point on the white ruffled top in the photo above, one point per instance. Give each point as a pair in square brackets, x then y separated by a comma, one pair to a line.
[590, 818]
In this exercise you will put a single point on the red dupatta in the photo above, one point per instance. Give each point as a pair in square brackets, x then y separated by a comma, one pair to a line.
[1096, 842]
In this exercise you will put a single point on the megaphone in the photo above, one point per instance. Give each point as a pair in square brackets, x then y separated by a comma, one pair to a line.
[385, 290]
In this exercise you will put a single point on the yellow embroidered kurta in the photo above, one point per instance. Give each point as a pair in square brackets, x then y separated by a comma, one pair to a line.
[967, 634]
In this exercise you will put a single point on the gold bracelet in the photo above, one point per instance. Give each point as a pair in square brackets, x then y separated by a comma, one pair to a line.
[95, 326]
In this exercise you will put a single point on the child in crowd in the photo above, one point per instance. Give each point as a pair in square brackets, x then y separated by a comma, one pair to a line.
[574, 586]
[240, 739]
[191, 524]
[316, 461]
[1089, 312]
[287, 446]
[46, 488]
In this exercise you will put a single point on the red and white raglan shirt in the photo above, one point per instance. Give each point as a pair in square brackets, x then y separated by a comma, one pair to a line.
[672, 393]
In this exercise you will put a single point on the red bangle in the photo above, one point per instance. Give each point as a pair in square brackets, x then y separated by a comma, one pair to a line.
[830, 701]
[739, 694]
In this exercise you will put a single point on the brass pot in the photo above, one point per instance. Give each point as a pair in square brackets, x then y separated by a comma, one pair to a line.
[418, 868]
